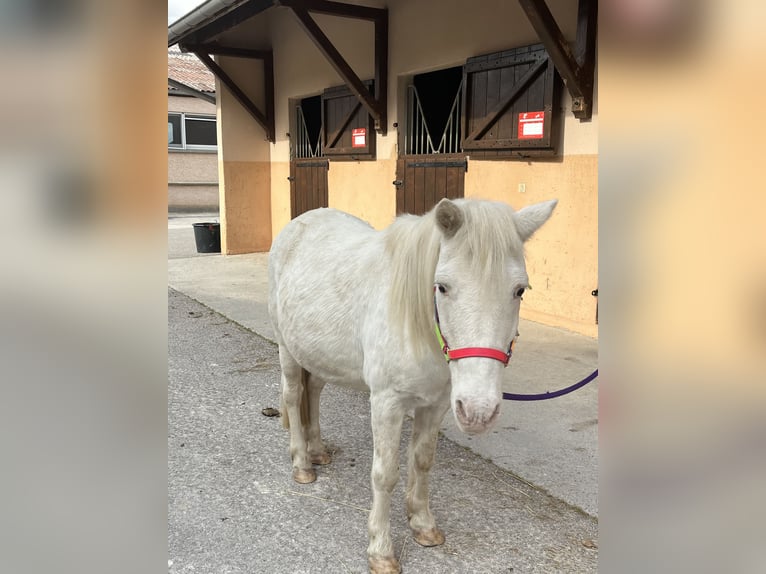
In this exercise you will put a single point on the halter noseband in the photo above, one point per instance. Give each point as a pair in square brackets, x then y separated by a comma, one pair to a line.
[455, 354]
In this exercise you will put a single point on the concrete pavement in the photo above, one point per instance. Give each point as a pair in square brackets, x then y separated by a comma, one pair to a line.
[541, 456]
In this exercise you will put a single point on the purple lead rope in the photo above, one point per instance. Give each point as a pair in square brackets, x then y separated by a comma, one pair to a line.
[551, 395]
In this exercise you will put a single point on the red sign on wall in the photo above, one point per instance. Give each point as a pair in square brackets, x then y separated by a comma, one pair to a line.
[531, 125]
[359, 137]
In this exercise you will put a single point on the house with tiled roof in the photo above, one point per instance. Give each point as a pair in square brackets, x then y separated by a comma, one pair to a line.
[192, 135]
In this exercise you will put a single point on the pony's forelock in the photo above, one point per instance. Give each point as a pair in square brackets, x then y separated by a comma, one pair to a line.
[486, 238]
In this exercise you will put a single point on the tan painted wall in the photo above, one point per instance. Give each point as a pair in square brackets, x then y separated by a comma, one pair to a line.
[243, 163]
[364, 188]
[562, 258]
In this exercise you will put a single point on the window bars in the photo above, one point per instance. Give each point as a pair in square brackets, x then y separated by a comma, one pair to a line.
[418, 139]
[303, 147]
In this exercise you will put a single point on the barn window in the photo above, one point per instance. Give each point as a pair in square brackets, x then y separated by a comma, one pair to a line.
[308, 128]
[512, 104]
[433, 113]
[348, 129]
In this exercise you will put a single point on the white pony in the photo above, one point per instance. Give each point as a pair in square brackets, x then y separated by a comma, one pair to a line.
[358, 308]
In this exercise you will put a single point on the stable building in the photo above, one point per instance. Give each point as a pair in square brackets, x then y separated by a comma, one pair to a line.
[385, 107]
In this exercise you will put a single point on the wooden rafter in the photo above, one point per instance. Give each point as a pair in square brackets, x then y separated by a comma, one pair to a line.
[336, 9]
[266, 122]
[376, 104]
[218, 50]
[575, 68]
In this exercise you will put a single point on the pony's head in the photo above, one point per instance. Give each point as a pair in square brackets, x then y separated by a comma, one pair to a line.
[479, 280]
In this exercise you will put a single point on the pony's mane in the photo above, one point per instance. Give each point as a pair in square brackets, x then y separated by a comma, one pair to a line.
[486, 239]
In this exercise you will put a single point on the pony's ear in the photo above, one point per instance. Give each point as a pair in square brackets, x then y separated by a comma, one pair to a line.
[449, 218]
[529, 219]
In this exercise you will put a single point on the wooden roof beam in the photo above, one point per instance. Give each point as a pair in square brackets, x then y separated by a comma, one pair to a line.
[218, 50]
[336, 9]
[266, 121]
[377, 105]
[575, 68]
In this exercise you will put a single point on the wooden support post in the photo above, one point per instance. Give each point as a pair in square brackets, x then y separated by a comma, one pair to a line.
[338, 62]
[381, 72]
[577, 72]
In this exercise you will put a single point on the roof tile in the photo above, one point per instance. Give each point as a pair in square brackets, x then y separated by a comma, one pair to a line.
[187, 69]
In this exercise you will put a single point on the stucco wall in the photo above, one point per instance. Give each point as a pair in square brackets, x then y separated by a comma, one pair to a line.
[192, 175]
[191, 105]
[562, 258]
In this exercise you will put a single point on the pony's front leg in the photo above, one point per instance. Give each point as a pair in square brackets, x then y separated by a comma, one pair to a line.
[425, 432]
[387, 417]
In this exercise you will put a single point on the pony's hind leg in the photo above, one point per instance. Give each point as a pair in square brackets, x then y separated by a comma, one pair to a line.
[294, 412]
[425, 432]
[317, 452]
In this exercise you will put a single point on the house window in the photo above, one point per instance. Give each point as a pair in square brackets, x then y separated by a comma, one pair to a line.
[191, 132]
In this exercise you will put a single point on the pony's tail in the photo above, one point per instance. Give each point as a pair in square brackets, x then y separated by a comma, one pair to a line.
[304, 402]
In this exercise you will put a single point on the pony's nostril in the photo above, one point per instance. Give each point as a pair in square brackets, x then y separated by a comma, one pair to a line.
[460, 409]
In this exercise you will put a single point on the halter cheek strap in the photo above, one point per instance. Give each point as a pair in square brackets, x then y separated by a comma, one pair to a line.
[464, 352]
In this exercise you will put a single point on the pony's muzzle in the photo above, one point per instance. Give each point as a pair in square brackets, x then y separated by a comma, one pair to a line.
[475, 417]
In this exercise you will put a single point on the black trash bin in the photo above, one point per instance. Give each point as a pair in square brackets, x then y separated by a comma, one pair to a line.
[208, 237]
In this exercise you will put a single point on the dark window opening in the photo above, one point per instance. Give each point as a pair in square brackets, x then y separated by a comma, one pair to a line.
[308, 117]
[433, 112]
[200, 132]
[312, 115]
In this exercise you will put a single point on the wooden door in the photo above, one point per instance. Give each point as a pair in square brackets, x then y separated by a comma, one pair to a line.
[308, 185]
[422, 181]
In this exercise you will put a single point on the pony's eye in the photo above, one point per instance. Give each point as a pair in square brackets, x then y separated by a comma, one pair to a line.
[519, 292]
[442, 289]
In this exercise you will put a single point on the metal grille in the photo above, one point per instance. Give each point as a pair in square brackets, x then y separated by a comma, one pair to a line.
[303, 147]
[419, 140]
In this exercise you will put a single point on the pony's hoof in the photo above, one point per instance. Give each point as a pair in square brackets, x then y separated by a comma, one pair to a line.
[383, 565]
[321, 458]
[432, 537]
[304, 476]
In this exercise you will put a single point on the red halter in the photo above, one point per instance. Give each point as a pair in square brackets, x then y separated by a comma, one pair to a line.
[455, 354]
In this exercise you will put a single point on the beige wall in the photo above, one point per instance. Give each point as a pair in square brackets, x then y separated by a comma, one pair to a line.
[243, 163]
[562, 259]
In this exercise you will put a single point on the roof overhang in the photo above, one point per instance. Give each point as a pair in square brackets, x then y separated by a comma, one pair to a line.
[212, 18]
[199, 31]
